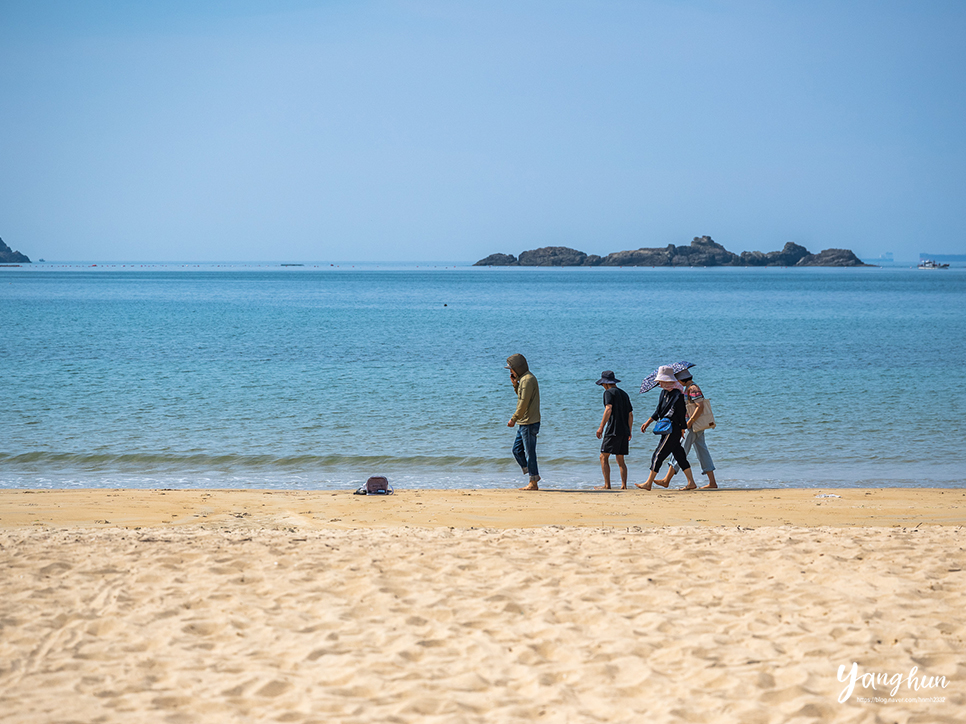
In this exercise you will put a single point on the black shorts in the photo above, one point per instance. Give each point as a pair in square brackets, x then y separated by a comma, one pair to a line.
[614, 445]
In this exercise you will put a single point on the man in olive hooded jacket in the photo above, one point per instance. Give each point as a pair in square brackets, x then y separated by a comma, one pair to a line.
[526, 417]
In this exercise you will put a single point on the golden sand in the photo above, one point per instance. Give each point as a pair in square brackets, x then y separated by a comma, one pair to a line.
[484, 508]
[482, 606]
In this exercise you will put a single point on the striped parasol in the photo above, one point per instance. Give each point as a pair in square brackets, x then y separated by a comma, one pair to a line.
[650, 383]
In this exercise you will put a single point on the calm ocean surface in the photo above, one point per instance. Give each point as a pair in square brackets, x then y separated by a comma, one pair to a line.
[316, 377]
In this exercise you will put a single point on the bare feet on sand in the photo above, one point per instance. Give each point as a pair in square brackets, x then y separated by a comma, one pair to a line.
[602, 487]
[710, 486]
[689, 486]
[533, 483]
[650, 479]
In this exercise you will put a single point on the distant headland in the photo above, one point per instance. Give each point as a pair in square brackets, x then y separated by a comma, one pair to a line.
[703, 251]
[9, 256]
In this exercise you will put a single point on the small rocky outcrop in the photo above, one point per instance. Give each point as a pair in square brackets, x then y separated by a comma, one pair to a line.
[832, 257]
[703, 251]
[552, 256]
[639, 257]
[9, 256]
[790, 255]
[498, 260]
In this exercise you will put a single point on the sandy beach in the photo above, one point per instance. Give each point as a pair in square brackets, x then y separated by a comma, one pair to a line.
[483, 606]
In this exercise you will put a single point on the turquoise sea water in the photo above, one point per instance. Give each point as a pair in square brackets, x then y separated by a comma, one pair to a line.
[318, 376]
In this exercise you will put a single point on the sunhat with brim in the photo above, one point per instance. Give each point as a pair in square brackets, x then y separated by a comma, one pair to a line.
[649, 383]
[607, 378]
[683, 375]
[665, 374]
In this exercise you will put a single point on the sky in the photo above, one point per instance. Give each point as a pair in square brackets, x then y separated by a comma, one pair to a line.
[190, 130]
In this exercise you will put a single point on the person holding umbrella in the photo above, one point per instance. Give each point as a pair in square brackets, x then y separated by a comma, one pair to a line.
[695, 404]
[671, 412]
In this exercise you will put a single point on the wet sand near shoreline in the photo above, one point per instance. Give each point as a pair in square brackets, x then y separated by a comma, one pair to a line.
[885, 507]
[482, 606]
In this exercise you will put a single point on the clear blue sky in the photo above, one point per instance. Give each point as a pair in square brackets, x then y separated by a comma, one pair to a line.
[395, 131]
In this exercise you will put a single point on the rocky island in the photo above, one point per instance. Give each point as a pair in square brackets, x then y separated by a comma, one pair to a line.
[703, 251]
[9, 256]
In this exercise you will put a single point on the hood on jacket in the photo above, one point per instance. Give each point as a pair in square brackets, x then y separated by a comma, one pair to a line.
[517, 363]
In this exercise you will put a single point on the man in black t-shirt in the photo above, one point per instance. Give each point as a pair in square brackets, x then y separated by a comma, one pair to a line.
[615, 428]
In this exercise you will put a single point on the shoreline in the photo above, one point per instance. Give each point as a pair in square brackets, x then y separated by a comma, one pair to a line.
[805, 507]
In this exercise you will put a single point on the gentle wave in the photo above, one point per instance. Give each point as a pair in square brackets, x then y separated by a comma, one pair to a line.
[92, 462]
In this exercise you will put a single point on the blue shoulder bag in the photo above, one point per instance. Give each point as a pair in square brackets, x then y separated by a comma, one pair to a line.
[662, 426]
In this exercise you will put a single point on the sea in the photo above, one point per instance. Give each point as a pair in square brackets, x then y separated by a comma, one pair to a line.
[314, 377]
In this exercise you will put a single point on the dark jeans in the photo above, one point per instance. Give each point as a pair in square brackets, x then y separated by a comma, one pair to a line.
[525, 447]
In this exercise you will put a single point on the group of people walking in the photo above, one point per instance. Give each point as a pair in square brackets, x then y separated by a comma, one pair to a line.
[681, 417]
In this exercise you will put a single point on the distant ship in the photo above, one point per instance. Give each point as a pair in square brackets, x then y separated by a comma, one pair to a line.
[930, 264]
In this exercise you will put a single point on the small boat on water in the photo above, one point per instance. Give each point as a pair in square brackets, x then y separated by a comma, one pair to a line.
[930, 264]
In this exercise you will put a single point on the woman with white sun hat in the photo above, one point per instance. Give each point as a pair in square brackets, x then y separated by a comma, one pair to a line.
[672, 414]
